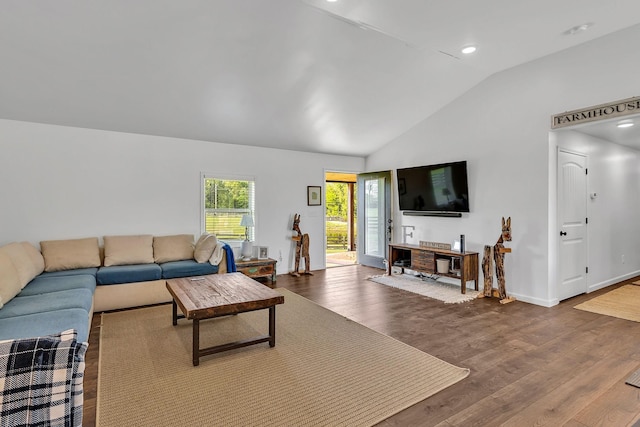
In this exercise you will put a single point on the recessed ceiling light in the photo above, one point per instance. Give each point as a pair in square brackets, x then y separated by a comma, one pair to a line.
[578, 29]
[625, 123]
[332, 1]
[468, 49]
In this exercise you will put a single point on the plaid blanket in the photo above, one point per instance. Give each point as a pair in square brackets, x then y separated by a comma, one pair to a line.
[41, 381]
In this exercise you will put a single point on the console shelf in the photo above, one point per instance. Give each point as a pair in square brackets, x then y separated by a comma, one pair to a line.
[423, 260]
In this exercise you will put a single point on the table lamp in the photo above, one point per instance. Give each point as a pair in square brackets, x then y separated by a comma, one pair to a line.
[247, 247]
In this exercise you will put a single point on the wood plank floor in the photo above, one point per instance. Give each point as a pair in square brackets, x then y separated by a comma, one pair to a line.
[530, 365]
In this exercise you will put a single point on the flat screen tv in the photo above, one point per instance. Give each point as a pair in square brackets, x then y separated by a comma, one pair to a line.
[434, 188]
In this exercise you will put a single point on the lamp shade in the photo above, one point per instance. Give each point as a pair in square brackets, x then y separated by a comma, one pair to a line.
[247, 221]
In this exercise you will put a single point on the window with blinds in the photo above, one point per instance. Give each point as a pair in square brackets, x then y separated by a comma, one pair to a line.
[226, 201]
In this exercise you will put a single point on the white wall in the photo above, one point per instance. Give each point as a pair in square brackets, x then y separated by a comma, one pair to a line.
[501, 127]
[613, 229]
[61, 182]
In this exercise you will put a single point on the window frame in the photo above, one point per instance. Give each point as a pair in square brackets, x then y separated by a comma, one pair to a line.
[228, 177]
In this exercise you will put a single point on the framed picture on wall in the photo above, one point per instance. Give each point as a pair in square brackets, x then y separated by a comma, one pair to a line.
[314, 196]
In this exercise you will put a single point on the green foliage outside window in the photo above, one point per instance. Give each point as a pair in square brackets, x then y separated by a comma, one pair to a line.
[226, 194]
[226, 201]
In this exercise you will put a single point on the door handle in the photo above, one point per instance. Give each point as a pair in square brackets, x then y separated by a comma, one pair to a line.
[563, 233]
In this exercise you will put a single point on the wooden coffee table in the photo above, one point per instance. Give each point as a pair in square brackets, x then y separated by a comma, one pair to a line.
[215, 295]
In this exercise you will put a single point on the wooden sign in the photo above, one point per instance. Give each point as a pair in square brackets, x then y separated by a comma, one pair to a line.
[621, 108]
[435, 245]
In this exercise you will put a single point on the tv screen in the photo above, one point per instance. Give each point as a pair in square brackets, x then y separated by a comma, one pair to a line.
[434, 188]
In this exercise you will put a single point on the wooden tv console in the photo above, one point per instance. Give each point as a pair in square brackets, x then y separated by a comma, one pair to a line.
[423, 260]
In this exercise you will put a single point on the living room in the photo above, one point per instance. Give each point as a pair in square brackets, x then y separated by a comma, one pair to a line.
[64, 178]
[72, 182]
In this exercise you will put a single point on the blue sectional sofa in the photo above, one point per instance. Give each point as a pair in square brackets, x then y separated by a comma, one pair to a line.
[48, 305]
[32, 305]
[135, 268]
[60, 288]
[48, 296]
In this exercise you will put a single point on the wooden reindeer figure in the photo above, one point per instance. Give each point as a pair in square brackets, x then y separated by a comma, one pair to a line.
[498, 256]
[302, 248]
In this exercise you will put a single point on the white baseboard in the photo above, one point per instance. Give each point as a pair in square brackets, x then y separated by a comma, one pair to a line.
[613, 281]
[535, 301]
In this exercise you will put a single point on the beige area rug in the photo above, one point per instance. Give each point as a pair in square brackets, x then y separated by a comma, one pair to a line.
[324, 370]
[445, 292]
[623, 302]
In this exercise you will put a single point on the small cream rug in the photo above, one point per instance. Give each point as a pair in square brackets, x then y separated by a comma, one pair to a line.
[447, 293]
[324, 370]
[623, 303]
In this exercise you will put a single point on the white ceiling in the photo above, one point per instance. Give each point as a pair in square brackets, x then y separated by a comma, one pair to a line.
[609, 131]
[344, 77]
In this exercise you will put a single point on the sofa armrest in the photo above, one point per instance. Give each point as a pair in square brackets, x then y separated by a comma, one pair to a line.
[222, 266]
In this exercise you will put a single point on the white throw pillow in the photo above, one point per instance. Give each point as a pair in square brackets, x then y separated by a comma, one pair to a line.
[204, 247]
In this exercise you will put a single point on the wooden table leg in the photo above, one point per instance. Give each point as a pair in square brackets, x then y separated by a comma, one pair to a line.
[175, 312]
[196, 342]
[463, 277]
[272, 326]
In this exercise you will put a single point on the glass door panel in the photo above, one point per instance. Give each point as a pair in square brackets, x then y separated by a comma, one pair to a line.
[374, 218]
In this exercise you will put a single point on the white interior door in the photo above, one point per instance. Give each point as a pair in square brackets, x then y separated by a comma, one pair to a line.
[374, 218]
[572, 220]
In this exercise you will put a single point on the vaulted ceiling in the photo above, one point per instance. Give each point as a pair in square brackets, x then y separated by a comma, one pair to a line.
[343, 77]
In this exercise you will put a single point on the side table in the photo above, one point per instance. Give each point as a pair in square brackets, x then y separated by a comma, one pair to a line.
[256, 268]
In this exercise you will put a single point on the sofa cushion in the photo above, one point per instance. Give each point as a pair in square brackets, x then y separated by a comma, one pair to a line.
[9, 280]
[47, 323]
[46, 284]
[172, 248]
[204, 247]
[21, 261]
[91, 271]
[186, 268]
[37, 260]
[117, 274]
[32, 304]
[41, 380]
[70, 254]
[127, 250]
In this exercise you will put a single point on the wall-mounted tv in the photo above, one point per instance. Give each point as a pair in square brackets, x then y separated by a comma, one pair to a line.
[434, 188]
